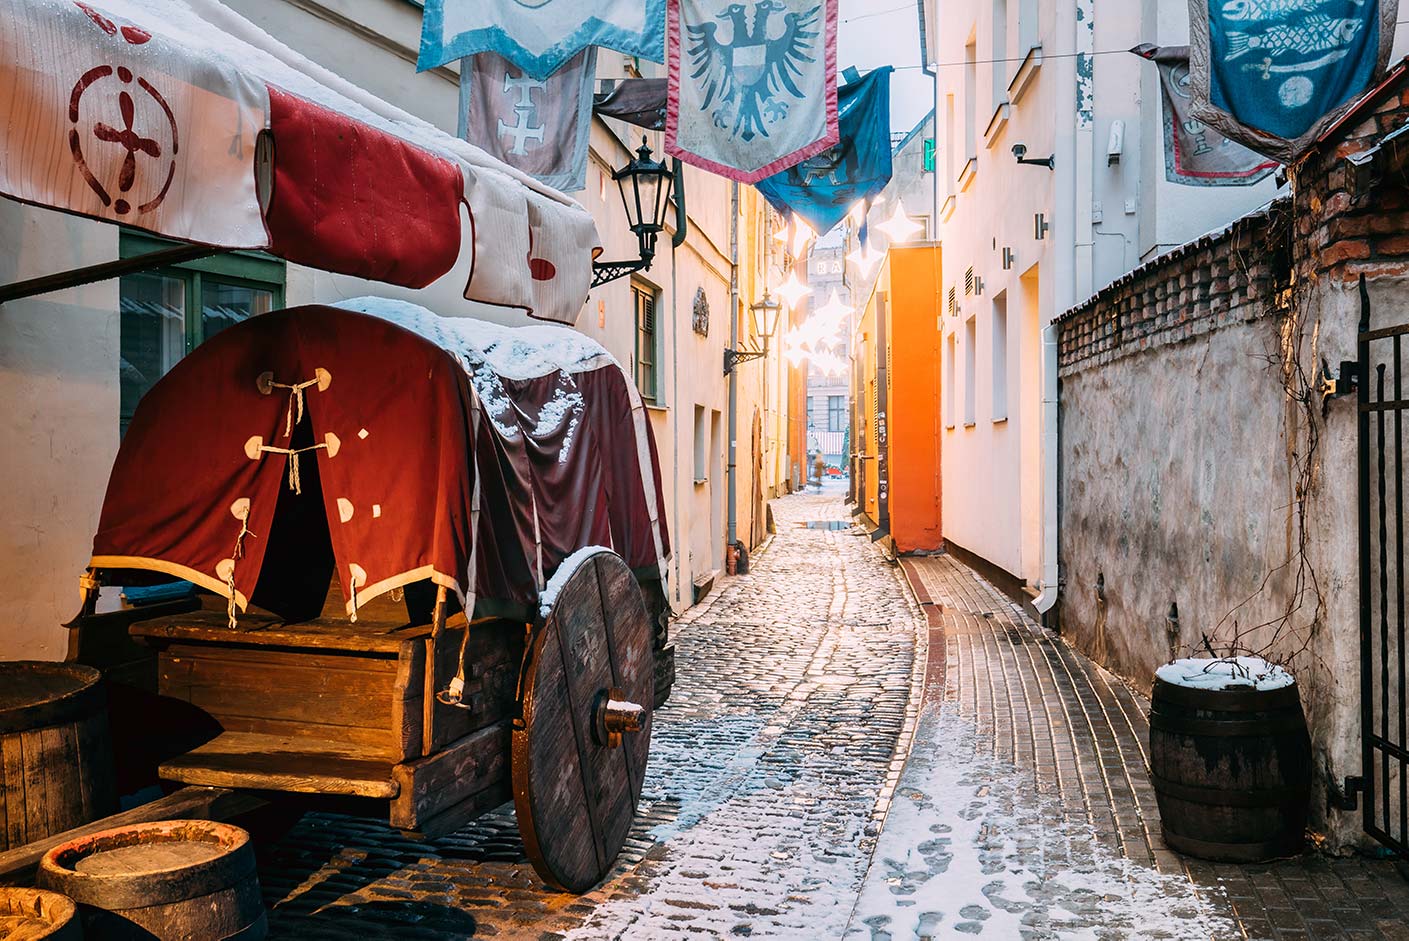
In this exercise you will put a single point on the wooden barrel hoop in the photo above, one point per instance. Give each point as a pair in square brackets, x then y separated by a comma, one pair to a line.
[170, 879]
[1231, 770]
[37, 915]
[56, 763]
[589, 680]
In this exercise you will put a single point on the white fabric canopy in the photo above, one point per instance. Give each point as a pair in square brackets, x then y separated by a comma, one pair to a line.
[184, 119]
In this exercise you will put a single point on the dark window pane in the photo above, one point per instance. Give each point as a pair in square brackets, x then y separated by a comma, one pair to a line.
[224, 305]
[153, 334]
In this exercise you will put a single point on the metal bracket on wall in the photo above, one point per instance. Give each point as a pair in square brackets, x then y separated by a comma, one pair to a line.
[1333, 386]
[1344, 797]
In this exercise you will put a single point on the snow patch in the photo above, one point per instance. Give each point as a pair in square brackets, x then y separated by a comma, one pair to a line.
[560, 578]
[1225, 673]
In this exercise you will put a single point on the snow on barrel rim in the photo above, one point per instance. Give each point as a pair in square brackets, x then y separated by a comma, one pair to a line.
[1217, 673]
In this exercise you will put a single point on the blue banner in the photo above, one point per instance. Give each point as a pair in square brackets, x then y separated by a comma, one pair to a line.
[1278, 66]
[822, 189]
[539, 36]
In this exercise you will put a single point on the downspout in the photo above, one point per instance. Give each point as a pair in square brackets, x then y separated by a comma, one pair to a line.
[682, 552]
[927, 69]
[732, 489]
[1073, 142]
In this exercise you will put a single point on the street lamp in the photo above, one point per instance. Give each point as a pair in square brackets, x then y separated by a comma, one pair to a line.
[765, 315]
[644, 184]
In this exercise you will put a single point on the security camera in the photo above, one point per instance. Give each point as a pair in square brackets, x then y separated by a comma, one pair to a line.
[1020, 151]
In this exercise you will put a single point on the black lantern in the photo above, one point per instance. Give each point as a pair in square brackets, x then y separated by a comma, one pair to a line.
[766, 314]
[645, 186]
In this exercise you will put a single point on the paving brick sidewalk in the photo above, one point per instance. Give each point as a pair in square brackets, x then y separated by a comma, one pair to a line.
[769, 769]
[1025, 809]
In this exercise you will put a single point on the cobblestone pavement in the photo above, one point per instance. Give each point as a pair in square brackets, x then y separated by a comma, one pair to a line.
[770, 769]
[1025, 810]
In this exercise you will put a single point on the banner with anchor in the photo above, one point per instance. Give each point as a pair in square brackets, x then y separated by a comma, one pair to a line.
[542, 127]
[753, 86]
[1272, 74]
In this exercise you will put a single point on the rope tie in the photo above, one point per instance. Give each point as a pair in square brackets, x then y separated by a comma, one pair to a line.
[295, 401]
[295, 484]
[235, 556]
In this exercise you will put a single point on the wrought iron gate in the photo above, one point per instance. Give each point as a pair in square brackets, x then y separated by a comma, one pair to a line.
[1384, 714]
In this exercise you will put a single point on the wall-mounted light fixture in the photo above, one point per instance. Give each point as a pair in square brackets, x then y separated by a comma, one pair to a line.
[766, 314]
[1040, 226]
[1020, 151]
[1010, 258]
[644, 185]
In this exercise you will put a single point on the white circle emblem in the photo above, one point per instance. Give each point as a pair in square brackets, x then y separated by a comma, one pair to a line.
[1296, 92]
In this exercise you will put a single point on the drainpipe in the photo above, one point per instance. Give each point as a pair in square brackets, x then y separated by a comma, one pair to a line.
[682, 552]
[932, 224]
[733, 516]
[1050, 456]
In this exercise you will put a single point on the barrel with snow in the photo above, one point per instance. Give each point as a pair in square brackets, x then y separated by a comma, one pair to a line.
[1230, 759]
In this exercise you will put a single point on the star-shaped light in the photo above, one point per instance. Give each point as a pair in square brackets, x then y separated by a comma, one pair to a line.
[830, 316]
[793, 290]
[866, 259]
[899, 227]
[782, 234]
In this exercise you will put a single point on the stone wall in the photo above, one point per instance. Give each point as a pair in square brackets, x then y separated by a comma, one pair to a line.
[1192, 476]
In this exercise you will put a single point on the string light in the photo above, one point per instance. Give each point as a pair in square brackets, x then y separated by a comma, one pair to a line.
[793, 290]
[899, 227]
[865, 259]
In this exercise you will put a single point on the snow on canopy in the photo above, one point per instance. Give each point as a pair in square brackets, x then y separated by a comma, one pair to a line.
[352, 439]
[234, 140]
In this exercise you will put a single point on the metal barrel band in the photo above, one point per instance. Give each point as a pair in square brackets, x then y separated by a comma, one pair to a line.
[1233, 852]
[1226, 797]
[1235, 728]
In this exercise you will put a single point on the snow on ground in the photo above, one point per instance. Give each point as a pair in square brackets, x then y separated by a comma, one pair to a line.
[1225, 673]
[971, 848]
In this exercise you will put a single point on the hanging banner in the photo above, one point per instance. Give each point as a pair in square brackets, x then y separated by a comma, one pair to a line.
[1194, 153]
[1273, 74]
[751, 93]
[638, 101]
[824, 188]
[540, 127]
[539, 36]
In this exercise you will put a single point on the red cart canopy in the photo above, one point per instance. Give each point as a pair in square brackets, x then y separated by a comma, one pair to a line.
[181, 118]
[391, 445]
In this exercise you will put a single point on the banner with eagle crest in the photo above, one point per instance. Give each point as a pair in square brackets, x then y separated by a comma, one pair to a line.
[1273, 74]
[753, 86]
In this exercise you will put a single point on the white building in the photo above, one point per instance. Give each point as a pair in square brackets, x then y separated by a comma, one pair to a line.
[1025, 242]
[74, 362]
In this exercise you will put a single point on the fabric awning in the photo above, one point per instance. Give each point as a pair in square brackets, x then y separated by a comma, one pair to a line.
[181, 118]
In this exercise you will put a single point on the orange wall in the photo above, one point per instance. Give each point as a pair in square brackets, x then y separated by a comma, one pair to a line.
[914, 418]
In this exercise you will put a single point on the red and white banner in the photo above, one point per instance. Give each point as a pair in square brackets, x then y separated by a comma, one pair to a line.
[752, 92]
[181, 118]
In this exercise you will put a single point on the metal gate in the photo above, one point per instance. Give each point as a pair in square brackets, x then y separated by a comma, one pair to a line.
[1385, 739]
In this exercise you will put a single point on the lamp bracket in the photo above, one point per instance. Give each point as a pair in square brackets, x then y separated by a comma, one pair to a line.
[604, 271]
[733, 358]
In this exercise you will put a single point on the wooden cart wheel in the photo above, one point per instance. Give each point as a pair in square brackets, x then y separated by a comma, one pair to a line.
[579, 755]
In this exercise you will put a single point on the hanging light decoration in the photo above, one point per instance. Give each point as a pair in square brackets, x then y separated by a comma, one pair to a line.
[782, 234]
[899, 227]
[793, 290]
[866, 259]
[802, 234]
[830, 316]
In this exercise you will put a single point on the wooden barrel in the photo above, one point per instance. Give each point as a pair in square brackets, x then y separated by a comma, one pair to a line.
[1231, 769]
[54, 747]
[175, 879]
[33, 914]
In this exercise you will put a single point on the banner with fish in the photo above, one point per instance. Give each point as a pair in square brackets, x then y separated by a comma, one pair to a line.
[1194, 153]
[823, 188]
[539, 36]
[1272, 74]
[753, 87]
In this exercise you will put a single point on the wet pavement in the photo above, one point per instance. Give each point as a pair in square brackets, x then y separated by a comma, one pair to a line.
[770, 770]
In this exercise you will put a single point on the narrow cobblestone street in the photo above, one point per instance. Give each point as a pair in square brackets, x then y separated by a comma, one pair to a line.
[1024, 810]
[770, 767]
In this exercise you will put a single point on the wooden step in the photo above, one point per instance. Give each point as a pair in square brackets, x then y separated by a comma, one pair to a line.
[284, 763]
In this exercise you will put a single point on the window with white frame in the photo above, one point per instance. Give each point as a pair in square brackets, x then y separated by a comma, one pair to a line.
[970, 367]
[970, 101]
[949, 380]
[1000, 52]
[999, 339]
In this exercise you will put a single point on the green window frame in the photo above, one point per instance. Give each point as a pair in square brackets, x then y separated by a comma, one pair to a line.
[149, 347]
[644, 304]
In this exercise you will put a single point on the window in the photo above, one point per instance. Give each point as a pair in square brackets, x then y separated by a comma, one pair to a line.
[643, 299]
[950, 170]
[970, 101]
[836, 413]
[811, 412]
[949, 380]
[1000, 357]
[701, 447]
[970, 360]
[165, 313]
[1000, 52]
